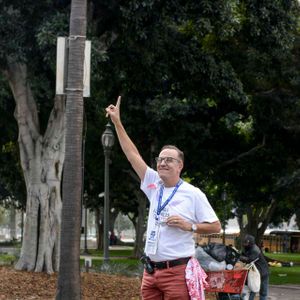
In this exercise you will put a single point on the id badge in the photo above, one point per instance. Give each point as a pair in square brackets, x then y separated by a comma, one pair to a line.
[152, 240]
[163, 219]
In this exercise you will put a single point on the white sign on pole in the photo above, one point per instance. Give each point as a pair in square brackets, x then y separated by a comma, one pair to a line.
[62, 67]
[87, 69]
[61, 62]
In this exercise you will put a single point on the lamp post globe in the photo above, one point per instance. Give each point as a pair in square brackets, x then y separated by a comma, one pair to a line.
[107, 140]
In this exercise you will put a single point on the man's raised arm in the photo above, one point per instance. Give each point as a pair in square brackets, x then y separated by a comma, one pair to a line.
[128, 147]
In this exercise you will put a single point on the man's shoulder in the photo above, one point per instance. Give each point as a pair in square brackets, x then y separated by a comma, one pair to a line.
[186, 186]
[197, 192]
[151, 179]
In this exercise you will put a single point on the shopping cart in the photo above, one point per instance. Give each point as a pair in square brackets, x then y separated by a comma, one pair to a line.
[226, 282]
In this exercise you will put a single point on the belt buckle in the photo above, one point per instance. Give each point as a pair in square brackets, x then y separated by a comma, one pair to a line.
[168, 265]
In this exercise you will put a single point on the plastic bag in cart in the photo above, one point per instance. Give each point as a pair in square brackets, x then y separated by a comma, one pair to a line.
[207, 262]
[216, 250]
[221, 252]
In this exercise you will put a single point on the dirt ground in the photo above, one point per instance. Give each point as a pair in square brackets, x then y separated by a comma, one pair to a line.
[28, 285]
[21, 285]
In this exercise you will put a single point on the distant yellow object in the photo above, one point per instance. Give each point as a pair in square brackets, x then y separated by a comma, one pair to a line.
[275, 264]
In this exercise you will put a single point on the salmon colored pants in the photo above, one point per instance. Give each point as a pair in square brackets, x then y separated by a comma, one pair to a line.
[165, 284]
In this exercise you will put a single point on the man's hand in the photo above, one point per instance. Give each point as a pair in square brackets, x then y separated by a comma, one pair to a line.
[114, 111]
[179, 222]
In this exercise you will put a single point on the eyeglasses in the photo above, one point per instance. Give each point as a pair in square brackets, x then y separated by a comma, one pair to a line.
[167, 159]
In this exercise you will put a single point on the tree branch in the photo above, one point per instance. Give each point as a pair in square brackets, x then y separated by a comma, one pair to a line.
[132, 175]
[295, 128]
[239, 157]
[267, 216]
[288, 180]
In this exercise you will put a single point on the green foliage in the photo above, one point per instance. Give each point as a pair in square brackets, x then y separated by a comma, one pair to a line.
[220, 79]
[55, 25]
[19, 19]
[10, 171]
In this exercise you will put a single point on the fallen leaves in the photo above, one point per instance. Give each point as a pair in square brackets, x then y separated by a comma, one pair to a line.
[17, 285]
[22, 285]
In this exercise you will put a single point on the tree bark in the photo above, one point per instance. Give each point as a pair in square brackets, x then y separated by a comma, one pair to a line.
[139, 220]
[12, 223]
[68, 285]
[99, 228]
[297, 212]
[112, 220]
[258, 220]
[42, 159]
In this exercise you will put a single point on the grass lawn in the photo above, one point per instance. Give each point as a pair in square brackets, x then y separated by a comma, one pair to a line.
[287, 257]
[285, 275]
[7, 259]
[121, 262]
[112, 253]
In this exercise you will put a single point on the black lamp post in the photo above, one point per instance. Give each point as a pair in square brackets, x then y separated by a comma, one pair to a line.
[85, 251]
[107, 140]
[224, 198]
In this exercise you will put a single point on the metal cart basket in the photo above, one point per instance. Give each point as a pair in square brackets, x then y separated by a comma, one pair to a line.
[226, 281]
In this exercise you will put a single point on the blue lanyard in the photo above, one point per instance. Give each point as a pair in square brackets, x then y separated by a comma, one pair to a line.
[161, 191]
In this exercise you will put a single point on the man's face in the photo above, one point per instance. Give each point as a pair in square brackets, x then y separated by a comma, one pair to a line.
[169, 164]
[246, 244]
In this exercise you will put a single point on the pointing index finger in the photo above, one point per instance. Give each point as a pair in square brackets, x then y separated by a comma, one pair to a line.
[118, 101]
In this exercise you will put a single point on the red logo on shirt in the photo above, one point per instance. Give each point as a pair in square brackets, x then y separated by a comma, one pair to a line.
[151, 186]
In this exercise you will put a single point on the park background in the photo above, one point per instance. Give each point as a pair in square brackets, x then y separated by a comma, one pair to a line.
[220, 79]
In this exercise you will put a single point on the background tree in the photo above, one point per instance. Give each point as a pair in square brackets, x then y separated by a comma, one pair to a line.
[209, 68]
[219, 79]
[266, 152]
[40, 143]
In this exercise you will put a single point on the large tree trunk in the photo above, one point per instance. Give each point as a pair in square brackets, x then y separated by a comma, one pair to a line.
[258, 220]
[68, 286]
[112, 220]
[297, 212]
[139, 220]
[42, 158]
[12, 223]
[99, 228]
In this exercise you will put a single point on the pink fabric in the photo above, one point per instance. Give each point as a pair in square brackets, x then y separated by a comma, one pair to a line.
[195, 279]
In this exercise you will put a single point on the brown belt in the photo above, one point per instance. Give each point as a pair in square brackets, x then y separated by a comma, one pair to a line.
[170, 263]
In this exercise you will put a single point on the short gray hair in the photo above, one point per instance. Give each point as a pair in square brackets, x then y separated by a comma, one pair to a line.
[180, 153]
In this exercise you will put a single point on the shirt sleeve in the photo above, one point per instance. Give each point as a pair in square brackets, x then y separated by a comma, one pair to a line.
[203, 209]
[150, 183]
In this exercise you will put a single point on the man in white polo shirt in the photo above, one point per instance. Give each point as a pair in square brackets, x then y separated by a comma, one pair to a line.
[177, 210]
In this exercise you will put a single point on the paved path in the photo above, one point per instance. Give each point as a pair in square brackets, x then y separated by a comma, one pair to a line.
[284, 292]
